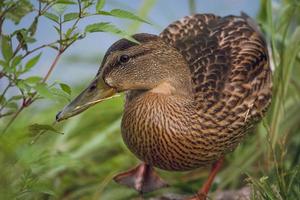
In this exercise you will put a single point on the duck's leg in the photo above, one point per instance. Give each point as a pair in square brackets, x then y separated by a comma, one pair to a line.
[202, 193]
[142, 178]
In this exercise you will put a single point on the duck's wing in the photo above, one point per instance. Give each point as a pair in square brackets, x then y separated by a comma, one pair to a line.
[228, 60]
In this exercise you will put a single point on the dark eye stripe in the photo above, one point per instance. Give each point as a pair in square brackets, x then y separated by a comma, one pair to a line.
[142, 53]
[116, 61]
[125, 58]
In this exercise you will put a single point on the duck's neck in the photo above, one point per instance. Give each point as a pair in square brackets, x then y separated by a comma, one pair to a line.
[181, 87]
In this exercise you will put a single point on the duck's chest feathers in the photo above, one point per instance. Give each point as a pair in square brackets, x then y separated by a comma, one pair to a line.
[158, 129]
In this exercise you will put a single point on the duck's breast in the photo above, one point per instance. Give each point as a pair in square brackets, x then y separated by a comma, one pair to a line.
[160, 130]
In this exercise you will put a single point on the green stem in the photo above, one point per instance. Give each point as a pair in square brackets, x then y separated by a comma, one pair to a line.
[192, 6]
[143, 12]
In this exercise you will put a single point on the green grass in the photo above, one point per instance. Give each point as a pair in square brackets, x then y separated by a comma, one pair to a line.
[80, 164]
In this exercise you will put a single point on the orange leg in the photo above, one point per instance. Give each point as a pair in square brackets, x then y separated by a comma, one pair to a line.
[202, 193]
[142, 178]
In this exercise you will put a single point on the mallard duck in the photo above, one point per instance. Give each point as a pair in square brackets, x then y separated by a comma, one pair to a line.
[192, 94]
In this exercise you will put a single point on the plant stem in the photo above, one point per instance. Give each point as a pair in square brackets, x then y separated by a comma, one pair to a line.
[6, 114]
[52, 66]
[13, 119]
[30, 100]
[2, 95]
[192, 6]
[143, 11]
[38, 48]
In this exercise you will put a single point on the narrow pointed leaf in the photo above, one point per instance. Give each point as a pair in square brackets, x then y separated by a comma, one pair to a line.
[7, 50]
[36, 128]
[32, 62]
[52, 17]
[65, 88]
[127, 15]
[70, 16]
[100, 4]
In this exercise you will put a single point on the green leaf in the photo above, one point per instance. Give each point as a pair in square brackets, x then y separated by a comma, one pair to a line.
[33, 79]
[104, 13]
[43, 90]
[108, 27]
[33, 26]
[57, 29]
[69, 32]
[17, 97]
[16, 61]
[52, 17]
[18, 10]
[127, 15]
[32, 62]
[60, 93]
[21, 39]
[3, 63]
[2, 100]
[36, 128]
[7, 50]
[22, 85]
[100, 4]
[12, 105]
[70, 16]
[60, 8]
[65, 2]
[65, 88]
[104, 27]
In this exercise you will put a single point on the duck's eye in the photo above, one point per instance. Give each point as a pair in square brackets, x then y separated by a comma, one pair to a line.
[124, 58]
[93, 87]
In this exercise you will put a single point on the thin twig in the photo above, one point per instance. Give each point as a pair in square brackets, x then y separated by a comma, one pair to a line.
[79, 8]
[60, 34]
[52, 66]
[6, 114]
[13, 119]
[5, 90]
[2, 95]
[38, 48]
[40, 8]
[17, 50]
[30, 100]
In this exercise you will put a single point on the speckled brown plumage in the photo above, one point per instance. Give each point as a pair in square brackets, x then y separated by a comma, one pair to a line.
[193, 92]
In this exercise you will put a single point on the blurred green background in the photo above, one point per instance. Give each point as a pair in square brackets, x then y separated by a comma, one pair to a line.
[80, 163]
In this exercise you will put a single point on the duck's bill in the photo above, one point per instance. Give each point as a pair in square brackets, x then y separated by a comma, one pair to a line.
[96, 92]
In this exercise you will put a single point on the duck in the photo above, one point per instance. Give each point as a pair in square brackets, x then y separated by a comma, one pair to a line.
[192, 94]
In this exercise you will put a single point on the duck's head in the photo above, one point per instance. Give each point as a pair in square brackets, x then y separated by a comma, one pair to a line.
[129, 66]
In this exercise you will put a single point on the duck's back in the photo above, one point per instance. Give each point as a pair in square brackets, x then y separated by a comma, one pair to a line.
[229, 63]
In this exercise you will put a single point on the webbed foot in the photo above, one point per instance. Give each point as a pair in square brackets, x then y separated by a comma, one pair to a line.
[142, 178]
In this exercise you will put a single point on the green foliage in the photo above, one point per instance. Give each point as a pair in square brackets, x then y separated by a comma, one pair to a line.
[100, 4]
[20, 59]
[126, 15]
[7, 51]
[37, 128]
[15, 10]
[38, 163]
[280, 179]
[32, 160]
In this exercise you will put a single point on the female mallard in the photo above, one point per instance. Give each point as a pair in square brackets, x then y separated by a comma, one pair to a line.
[192, 93]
